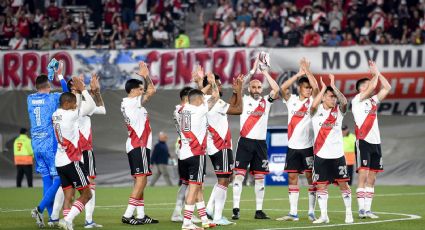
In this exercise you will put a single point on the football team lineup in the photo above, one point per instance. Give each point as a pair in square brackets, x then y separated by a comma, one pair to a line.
[61, 133]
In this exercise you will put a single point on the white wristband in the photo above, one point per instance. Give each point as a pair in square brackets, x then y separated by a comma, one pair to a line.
[60, 77]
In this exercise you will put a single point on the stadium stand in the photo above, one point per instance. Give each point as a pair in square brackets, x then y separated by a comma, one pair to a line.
[120, 24]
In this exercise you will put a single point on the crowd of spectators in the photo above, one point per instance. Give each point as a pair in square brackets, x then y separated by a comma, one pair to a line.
[313, 23]
[80, 24]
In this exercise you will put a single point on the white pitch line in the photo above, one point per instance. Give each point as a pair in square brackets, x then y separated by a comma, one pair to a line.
[407, 217]
[272, 199]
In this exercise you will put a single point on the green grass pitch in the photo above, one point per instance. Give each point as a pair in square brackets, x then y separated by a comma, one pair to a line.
[399, 208]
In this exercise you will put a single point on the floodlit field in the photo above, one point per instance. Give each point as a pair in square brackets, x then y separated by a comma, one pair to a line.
[399, 208]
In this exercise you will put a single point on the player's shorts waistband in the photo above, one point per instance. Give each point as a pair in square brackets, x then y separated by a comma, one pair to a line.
[251, 140]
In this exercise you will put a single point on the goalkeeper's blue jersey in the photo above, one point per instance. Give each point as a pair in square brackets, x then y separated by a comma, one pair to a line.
[41, 106]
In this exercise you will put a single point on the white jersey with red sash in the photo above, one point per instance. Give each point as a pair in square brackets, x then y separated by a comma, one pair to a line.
[227, 36]
[254, 117]
[300, 131]
[138, 125]
[240, 35]
[328, 140]
[219, 136]
[85, 128]
[65, 123]
[377, 20]
[253, 37]
[141, 7]
[366, 120]
[193, 128]
[177, 122]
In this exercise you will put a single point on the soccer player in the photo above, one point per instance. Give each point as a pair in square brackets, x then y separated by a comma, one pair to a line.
[368, 145]
[139, 143]
[69, 154]
[219, 145]
[41, 106]
[299, 158]
[193, 128]
[181, 193]
[327, 111]
[87, 144]
[252, 148]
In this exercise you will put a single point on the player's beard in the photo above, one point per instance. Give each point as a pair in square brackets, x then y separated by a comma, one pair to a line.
[256, 96]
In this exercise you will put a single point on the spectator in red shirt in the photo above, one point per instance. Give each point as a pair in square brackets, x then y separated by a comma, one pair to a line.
[311, 38]
[112, 8]
[23, 26]
[8, 29]
[53, 11]
[348, 40]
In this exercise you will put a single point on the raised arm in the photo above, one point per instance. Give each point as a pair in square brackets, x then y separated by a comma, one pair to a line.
[59, 75]
[96, 95]
[373, 82]
[274, 93]
[235, 101]
[215, 94]
[318, 99]
[198, 77]
[284, 88]
[341, 98]
[150, 88]
[248, 76]
[386, 87]
[305, 65]
[84, 108]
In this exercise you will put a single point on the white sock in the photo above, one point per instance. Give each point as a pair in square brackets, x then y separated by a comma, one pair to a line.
[211, 201]
[90, 205]
[76, 209]
[140, 209]
[220, 199]
[294, 193]
[322, 199]
[346, 196]
[202, 212]
[259, 193]
[311, 198]
[181, 194]
[57, 204]
[360, 193]
[237, 190]
[369, 193]
[188, 213]
[132, 204]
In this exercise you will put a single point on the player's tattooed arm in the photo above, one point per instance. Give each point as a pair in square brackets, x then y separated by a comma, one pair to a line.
[274, 93]
[341, 98]
[284, 88]
[150, 87]
[305, 65]
[215, 93]
[373, 82]
[386, 87]
[318, 99]
[248, 76]
[235, 102]
[95, 90]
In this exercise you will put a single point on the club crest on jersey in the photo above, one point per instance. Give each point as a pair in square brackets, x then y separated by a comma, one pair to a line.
[334, 114]
[364, 162]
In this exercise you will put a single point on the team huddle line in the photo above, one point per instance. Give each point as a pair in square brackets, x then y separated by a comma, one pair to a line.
[62, 142]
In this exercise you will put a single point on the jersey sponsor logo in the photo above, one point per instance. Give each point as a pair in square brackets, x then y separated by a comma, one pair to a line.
[325, 129]
[37, 102]
[253, 118]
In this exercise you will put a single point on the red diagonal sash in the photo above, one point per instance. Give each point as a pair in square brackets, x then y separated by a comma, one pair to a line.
[251, 38]
[367, 125]
[297, 117]
[18, 44]
[325, 129]
[138, 4]
[225, 33]
[376, 23]
[240, 35]
[195, 146]
[253, 118]
[143, 140]
[219, 142]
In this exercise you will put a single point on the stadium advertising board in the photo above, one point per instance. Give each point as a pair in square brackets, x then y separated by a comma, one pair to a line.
[404, 66]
